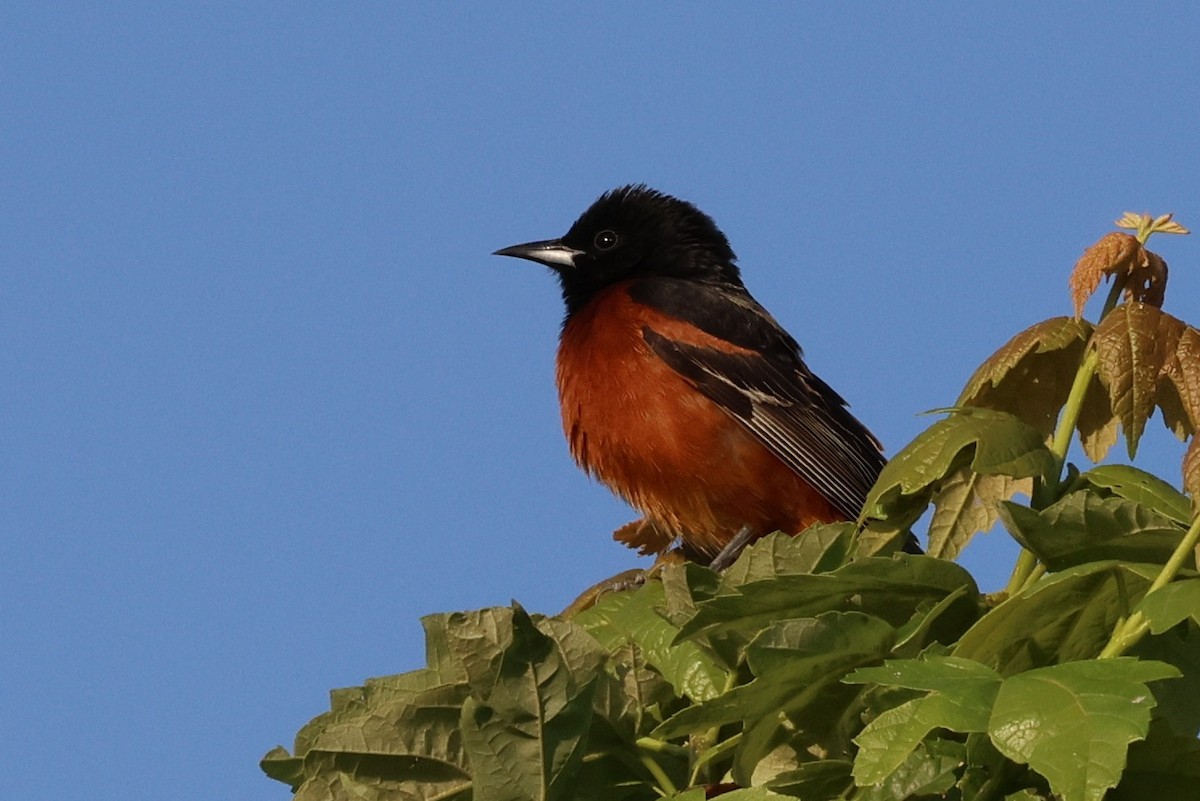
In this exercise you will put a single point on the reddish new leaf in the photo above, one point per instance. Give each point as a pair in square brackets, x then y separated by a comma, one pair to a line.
[1114, 253]
[1145, 225]
[1191, 473]
[1118, 254]
[1179, 391]
[1133, 344]
[1147, 282]
[1030, 376]
[1097, 424]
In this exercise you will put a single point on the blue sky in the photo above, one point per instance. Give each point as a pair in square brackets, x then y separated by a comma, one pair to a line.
[267, 398]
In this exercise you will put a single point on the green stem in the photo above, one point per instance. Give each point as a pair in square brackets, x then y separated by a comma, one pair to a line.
[993, 788]
[1022, 570]
[1069, 418]
[709, 740]
[1046, 488]
[647, 746]
[1114, 295]
[711, 753]
[660, 776]
[1178, 556]
[1034, 575]
[1131, 631]
[1070, 415]
[656, 746]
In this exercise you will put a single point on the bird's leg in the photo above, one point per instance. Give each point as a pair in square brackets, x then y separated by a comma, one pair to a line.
[733, 549]
[625, 581]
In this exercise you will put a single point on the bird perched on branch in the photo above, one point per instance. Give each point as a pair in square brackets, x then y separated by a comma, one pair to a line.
[683, 394]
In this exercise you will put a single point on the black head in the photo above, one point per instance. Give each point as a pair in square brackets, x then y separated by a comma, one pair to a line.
[633, 232]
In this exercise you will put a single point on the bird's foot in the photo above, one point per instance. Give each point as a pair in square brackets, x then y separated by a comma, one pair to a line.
[622, 582]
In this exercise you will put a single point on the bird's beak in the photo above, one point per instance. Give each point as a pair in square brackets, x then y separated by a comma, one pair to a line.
[551, 252]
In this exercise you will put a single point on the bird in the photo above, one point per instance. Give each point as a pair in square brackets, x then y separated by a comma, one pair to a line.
[682, 394]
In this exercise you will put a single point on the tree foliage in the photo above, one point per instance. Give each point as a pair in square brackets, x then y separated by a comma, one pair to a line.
[832, 666]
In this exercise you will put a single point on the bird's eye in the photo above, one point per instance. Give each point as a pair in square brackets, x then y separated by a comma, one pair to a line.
[606, 240]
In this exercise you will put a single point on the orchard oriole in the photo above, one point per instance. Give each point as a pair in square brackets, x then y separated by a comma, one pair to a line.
[683, 394]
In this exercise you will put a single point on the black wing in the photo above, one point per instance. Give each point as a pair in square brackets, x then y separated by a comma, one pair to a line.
[770, 391]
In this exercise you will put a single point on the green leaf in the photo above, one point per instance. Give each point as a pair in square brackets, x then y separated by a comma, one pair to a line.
[684, 587]
[845, 636]
[610, 774]
[440, 663]
[581, 654]
[751, 794]
[417, 686]
[984, 771]
[792, 661]
[1161, 766]
[991, 442]
[423, 736]
[394, 737]
[756, 745]
[930, 770]
[1031, 375]
[961, 698]
[525, 733]
[1085, 527]
[886, 537]
[935, 674]
[629, 698]
[1150, 491]
[334, 777]
[892, 589]
[1073, 722]
[765, 765]
[633, 617]
[817, 549]
[494, 645]
[517, 760]
[1178, 699]
[693, 794]
[1065, 617]
[966, 504]
[1169, 606]
[826, 778]
[283, 767]
[389, 749]
[941, 622]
